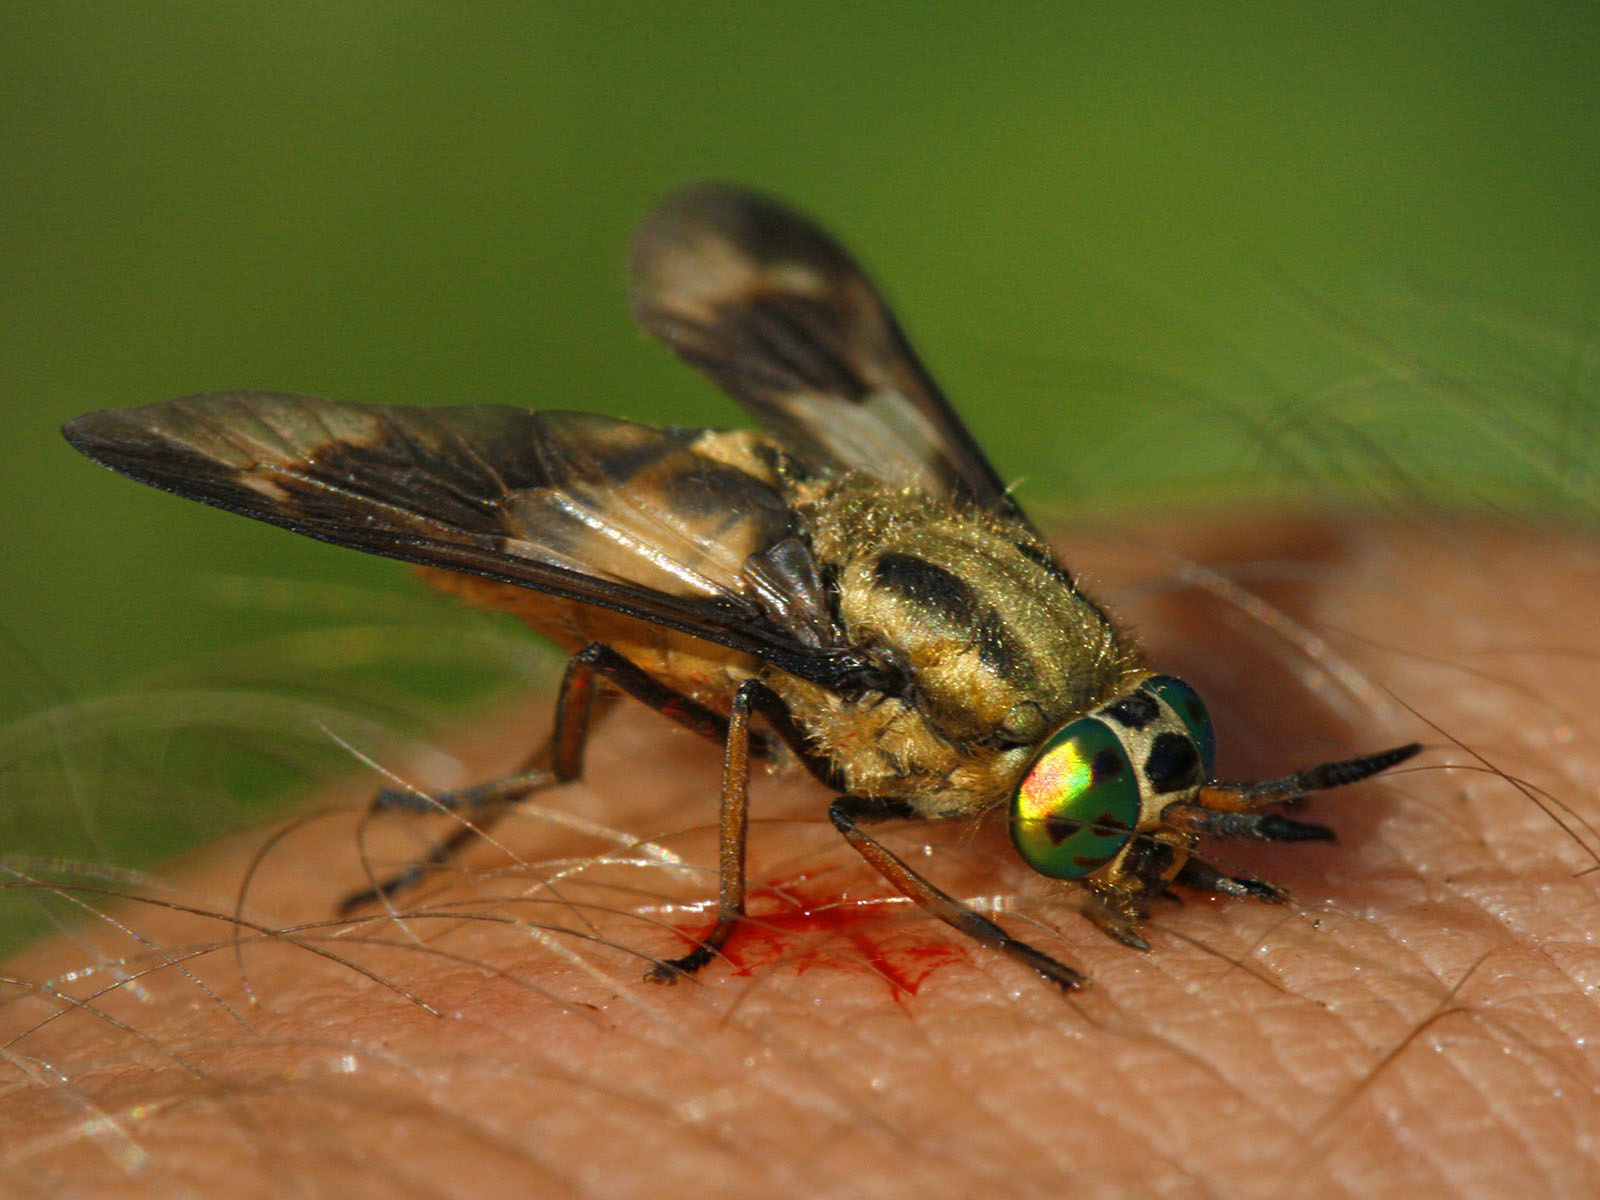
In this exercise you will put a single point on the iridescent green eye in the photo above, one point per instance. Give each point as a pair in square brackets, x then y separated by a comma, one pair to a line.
[1078, 804]
[1186, 702]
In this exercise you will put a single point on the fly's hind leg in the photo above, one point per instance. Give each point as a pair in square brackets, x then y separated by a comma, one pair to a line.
[849, 813]
[593, 679]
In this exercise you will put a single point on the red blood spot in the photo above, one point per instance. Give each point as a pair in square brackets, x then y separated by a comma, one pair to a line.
[795, 921]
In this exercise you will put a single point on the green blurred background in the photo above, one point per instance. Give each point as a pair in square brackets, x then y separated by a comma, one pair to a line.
[1159, 254]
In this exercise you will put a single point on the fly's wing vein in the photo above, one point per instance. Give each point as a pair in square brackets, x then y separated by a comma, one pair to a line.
[587, 507]
[786, 322]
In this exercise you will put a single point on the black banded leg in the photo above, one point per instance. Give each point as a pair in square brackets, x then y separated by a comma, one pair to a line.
[848, 813]
[1203, 877]
[582, 699]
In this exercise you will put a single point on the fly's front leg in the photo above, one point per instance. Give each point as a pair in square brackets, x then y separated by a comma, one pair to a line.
[1120, 892]
[1119, 898]
[590, 685]
[1203, 877]
[849, 813]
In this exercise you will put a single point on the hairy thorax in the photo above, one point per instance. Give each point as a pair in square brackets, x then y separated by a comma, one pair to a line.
[997, 644]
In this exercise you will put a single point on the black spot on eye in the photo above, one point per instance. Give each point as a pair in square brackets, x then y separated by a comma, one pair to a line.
[942, 593]
[1109, 823]
[1173, 764]
[1107, 765]
[1059, 829]
[1133, 712]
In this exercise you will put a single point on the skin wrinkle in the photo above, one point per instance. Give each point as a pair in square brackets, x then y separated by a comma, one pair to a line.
[1402, 1025]
[948, 1070]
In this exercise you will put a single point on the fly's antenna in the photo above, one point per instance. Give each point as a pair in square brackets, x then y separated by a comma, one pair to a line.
[1242, 797]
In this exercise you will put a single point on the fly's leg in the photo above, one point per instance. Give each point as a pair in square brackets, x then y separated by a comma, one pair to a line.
[752, 697]
[849, 813]
[1118, 899]
[562, 753]
[442, 852]
[1117, 903]
[1203, 877]
[593, 678]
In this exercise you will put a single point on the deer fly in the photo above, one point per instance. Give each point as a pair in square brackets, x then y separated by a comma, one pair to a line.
[853, 589]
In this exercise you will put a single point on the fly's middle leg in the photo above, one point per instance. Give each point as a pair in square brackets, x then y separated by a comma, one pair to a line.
[753, 696]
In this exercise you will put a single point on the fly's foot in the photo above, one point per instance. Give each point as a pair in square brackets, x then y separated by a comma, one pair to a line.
[673, 969]
[1203, 877]
[1058, 973]
[1117, 916]
[1249, 885]
[394, 885]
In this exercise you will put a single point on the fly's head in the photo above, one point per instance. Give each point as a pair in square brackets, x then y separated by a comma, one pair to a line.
[1117, 799]
[1099, 780]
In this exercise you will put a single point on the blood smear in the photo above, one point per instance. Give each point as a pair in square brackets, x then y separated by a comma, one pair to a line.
[791, 921]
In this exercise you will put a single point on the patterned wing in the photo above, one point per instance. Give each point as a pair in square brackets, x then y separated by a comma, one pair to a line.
[782, 318]
[585, 507]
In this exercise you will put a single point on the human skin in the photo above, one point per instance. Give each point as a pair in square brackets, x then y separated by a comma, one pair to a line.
[1419, 1019]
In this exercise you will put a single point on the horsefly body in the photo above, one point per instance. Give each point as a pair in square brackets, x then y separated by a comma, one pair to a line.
[856, 576]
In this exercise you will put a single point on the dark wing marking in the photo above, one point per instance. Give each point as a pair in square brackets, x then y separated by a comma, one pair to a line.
[782, 318]
[584, 507]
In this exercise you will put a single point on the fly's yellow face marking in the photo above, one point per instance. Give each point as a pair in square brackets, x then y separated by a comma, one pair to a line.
[857, 576]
